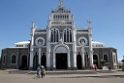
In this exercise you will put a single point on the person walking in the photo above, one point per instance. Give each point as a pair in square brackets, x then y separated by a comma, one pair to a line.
[38, 71]
[43, 72]
[95, 67]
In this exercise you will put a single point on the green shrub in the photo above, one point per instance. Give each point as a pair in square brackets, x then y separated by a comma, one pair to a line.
[94, 61]
[102, 61]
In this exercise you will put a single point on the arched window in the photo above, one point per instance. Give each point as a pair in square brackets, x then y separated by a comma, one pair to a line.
[55, 36]
[64, 35]
[67, 34]
[70, 36]
[67, 17]
[13, 59]
[106, 58]
[51, 35]
[54, 17]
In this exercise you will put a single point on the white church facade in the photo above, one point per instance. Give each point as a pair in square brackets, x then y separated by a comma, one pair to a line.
[61, 45]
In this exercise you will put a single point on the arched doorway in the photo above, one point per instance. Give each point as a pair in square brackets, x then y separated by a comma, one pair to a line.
[61, 51]
[43, 60]
[95, 60]
[24, 62]
[79, 62]
[35, 61]
[61, 60]
[87, 61]
[106, 58]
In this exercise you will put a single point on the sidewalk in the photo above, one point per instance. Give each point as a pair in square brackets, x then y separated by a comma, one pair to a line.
[63, 72]
[17, 77]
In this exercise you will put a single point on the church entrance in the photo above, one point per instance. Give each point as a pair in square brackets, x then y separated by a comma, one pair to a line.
[61, 61]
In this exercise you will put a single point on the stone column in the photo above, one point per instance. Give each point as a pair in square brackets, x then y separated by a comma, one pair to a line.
[74, 49]
[31, 53]
[83, 57]
[54, 61]
[48, 48]
[39, 56]
[90, 46]
[31, 59]
[66, 36]
[69, 64]
[69, 35]
[32, 45]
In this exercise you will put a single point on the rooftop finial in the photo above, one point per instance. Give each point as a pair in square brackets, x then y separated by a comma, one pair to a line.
[33, 24]
[60, 2]
[89, 22]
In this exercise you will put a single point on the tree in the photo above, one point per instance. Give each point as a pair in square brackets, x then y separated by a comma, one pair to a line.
[102, 61]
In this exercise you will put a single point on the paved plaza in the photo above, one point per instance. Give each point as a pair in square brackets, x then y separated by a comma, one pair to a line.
[115, 77]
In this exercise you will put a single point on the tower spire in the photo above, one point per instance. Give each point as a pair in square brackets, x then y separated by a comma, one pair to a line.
[60, 2]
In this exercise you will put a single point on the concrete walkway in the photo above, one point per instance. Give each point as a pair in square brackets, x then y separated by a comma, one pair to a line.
[67, 72]
[113, 77]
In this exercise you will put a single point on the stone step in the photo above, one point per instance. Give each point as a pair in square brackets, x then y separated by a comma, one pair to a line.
[65, 72]
[60, 72]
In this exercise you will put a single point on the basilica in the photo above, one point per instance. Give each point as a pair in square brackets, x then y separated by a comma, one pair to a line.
[61, 45]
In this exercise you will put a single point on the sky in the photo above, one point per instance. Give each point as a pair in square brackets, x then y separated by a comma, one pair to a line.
[107, 17]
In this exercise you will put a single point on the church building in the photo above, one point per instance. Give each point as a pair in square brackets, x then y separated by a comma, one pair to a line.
[61, 45]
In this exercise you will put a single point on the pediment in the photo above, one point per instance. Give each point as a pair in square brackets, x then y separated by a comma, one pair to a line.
[61, 49]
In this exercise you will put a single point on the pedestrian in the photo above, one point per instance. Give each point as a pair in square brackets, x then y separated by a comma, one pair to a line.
[95, 67]
[109, 67]
[43, 72]
[38, 71]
